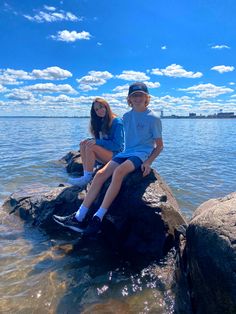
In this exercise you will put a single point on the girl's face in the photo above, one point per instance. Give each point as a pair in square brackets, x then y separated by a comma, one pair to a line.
[100, 109]
[138, 101]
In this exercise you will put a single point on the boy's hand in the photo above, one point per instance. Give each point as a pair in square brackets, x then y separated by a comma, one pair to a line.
[146, 168]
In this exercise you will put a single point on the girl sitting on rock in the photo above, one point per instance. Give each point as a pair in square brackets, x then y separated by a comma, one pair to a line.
[143, 143]
[108, 133]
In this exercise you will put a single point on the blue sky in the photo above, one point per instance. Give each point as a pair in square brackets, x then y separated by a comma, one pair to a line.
[56, 56]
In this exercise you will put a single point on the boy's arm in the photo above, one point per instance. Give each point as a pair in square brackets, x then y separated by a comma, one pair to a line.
[146, 166]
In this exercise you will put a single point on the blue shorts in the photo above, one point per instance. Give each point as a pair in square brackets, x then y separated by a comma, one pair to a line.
[136, 161]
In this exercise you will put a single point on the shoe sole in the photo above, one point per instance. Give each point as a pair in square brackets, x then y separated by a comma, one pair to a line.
[70, 227]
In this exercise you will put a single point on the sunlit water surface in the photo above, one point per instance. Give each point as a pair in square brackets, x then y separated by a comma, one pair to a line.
[42, 273]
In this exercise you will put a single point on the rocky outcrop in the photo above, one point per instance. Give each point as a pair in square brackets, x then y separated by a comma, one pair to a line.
[142, 219]
[211, 256]
[72, 162]
[144, 216]
[37, 204]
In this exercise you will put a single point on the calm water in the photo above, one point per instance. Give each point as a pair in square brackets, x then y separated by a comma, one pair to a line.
[41, 274]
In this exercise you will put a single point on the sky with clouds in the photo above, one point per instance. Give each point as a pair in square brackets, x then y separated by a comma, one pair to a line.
[57, 56]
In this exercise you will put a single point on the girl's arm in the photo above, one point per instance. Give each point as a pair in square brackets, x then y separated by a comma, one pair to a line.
[116, 140]
[146, 166]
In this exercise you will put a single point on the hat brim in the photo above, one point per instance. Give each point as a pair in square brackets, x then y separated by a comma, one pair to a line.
[138, 91]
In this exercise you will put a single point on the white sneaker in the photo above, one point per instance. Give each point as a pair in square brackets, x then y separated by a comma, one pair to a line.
[82, 181]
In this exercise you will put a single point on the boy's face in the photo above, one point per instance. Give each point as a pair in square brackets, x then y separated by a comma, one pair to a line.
[138, 100]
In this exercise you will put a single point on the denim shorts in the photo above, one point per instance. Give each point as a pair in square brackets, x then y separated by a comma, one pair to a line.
[136, 161]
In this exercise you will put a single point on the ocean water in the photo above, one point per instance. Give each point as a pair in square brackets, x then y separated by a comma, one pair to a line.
[42, 274]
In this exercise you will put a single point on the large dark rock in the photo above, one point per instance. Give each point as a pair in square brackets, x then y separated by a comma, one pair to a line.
[143, 217]
[211, 256]
[141, 220]
[37, 204]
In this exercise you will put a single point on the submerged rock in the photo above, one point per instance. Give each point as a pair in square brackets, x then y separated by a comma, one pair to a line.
[211, 256]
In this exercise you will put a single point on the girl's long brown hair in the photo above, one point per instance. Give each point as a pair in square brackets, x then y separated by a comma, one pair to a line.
[98, 124]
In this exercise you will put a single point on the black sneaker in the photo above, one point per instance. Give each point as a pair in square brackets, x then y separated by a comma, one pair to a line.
[94, 227]
[70, 222]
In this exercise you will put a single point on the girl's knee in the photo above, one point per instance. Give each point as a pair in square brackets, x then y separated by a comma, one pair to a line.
[89, 149]
[100, 175]
[82, 145]
[118, 173]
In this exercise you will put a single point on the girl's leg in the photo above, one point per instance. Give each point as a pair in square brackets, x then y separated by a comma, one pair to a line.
[94, 153]
[82, 146]
[89, 154]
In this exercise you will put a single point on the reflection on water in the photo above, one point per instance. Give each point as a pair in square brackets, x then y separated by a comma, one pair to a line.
[63, 274]
[42, 273]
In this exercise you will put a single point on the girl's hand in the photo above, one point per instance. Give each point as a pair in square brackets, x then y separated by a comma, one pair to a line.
[146, 168]
[90, 143]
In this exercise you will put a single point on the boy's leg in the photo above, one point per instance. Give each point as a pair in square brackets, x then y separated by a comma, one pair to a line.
[101, 176]
[118, 175]
[117, 178]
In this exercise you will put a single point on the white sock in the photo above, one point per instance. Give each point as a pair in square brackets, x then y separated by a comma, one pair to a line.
[88, 174]
[101, 213]
[81, 212]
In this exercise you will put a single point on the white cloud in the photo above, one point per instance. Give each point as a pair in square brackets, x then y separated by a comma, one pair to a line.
[101, 74]
[152, 84]
[220, 47]
[2, 88]
[52, 16]
[87, 87]
[207, 90]
[231, 83]
[12, 77]
[20, 95]
[175, 70]
[89, 82]
[223, 68]
[72, 36]
[163, 47]
[15, 77]
[58, 99]
[93, 80]
[51, 73]
[51, 88]
[133, 76]
[121, 88]
[46, 7]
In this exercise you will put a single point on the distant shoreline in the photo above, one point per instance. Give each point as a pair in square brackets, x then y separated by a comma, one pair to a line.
[167, 117]
[48, 117]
